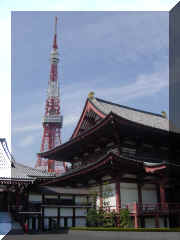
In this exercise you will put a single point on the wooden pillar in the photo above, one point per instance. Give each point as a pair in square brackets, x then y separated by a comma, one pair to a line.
[118, 196]
[158, 193]
[139, 193]
[74, 214]
[140, 205]
[162, 195]
[42, 222]
[136, 221]
[58, 217]
[101, 195]
[157, 220]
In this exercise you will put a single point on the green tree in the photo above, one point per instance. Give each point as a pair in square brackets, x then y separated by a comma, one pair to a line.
[125, 218]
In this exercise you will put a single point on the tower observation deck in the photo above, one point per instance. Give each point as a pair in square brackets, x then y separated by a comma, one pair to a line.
[52, 120]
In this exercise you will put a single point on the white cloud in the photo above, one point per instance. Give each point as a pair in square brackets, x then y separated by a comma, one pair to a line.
[26, 128]
[28, 140]
[70, 119]
[144, 85]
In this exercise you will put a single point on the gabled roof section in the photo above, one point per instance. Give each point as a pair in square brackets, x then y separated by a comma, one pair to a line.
[146, 118]
[89, 117]
[96, 108]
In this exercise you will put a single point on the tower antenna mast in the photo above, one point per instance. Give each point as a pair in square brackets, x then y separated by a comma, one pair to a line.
[52, 121]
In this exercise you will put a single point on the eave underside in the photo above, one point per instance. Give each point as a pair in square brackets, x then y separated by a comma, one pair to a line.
[107, 128]
[108, 165]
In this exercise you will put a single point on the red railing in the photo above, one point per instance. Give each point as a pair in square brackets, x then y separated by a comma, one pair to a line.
[146, 208]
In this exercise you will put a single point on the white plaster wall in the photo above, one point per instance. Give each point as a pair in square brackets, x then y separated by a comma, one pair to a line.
[98, 202]
[30, 223]
[129, 193]
[80, 212]
[48, 212]
[96, 190]
[61, 222]
[66, 197]
[81, 199]
[110, 190]
[69, 222]
[51, 196]
[91, 199]
[35, 197]
[66, 212]
[149, 193]
[37, 223]
[46, 223]
[80, 222]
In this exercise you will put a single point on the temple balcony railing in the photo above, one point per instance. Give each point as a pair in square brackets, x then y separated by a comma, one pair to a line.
[152, 208]
[146, 208]
[56, 202]
[31, 208]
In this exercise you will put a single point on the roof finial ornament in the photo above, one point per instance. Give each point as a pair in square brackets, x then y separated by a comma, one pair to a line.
[91, 95]
[164, 114]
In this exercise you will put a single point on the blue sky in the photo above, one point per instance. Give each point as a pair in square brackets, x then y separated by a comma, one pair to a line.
[121, 56]
[26, 130]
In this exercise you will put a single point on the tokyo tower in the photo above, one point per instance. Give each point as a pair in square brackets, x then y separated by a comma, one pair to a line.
[52, 121]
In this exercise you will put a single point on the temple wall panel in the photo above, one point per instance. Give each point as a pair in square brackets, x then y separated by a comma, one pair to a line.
[35, 197]
[51, 196]
[80, 212]
[80, 199]
[66, 197]
[109, 194]
[95, 190]
[46, 223]
[69, 222]
[61, 222]
[50, 212]
[80, 222]
[149, 193]
[31, 223]
[66, 212]
[150, 222]
[129, 193]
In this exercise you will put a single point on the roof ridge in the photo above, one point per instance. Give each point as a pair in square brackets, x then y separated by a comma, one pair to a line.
[130, 108]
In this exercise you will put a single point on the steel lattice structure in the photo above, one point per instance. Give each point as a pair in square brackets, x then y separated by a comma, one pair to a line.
[52, 121]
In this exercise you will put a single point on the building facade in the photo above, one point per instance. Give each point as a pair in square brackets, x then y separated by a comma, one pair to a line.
[129, 151]
[28, 206]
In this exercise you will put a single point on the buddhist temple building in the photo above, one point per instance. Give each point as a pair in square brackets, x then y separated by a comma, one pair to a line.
[131, 151]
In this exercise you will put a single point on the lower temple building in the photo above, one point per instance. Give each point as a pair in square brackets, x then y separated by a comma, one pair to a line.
[28, 206]
[128, 157]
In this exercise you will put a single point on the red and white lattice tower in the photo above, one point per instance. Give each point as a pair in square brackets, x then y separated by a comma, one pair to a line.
[52, 121]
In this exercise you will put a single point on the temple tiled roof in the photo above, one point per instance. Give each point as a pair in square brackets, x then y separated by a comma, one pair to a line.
[22, 172]
[11, 170]
[142, 117]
